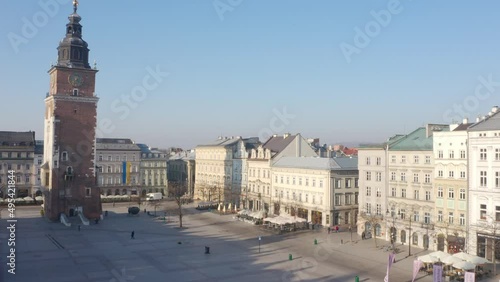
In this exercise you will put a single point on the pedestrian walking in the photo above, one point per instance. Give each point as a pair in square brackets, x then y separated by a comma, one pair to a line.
[337, 229]
[132, 235]
[329, 229]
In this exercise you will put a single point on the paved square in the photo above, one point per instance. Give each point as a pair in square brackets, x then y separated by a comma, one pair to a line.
[162, 252]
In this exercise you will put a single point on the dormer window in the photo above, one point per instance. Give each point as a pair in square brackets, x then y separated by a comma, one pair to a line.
[75, 92]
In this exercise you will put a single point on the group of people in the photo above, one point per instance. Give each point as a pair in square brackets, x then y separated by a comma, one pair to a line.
[336, 229]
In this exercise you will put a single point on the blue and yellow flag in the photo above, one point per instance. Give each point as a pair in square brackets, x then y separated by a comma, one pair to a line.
[126, 172]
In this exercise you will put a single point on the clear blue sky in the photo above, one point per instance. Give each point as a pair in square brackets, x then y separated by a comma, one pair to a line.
[228, 72]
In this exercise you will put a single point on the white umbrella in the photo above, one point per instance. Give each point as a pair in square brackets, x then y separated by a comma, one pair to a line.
[451, 260]
[427, 259]
[219, 208]
[477, 260]
[229, 206]
[440, 255]
[19, 200]
[28, 199]
[39, 198]
[465, 265]
[462, 255]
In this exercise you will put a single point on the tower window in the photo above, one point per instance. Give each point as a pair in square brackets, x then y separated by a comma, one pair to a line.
[75, 92]
[64, 156]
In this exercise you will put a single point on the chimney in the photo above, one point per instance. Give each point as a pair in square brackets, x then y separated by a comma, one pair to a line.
[494, 109]
[465, 121]
[286, 135]
[478, 119]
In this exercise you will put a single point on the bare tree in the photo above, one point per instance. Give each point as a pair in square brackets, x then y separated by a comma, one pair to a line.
[178, 191]
[490, 226]
[373, 220]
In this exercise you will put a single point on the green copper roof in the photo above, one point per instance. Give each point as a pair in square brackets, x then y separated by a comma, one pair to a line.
[415, 141]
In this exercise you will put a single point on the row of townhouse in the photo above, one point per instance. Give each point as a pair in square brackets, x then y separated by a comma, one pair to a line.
[282, 175]
[122, 167]
[436, 188]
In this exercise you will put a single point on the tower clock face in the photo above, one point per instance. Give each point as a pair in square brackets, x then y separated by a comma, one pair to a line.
[75, 79]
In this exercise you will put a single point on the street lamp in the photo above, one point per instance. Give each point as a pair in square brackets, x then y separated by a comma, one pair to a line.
[392, 230]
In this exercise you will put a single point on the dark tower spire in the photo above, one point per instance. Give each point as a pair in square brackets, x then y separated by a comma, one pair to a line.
[73, 51]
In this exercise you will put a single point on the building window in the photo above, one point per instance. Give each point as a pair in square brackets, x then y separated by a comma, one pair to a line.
[379, 193]
[348, 199]
[440, 216]
[452, 154]
[450, 217]
[282, 178]
[415, 178]
[356, 182]
[293, 180]
[416, 159]
[368, 208]
[368, 161]
[462, 174]
[440, 154]
[451, 174]
[87, 192]
[379, 176]
[337, 200]
[368, 175]
[427, 179]
[379, 209]
[403, 176]
[497, 179]
[440, 192]
[440, 173]
[497, 154]
[427, 159]
[482, 211]
[483, 179]
[483, 156]
[462, 154]
[64, 156]
[356, 198]
[75, 92]
[427, 218]
[393, 159]
[348, 183]
[416, 194]
[451, 193]
[300, 181]
[314, 183]
[462, 219]
[368, 191]
[402, 213]
[338, 183]
[462, 194]
[403, 192]
[321, 184]
[403, 159]
[497, 213]
[287, 180]
[393, 192]
[379, 161]
[100, 158]
[427, 195]
[276, 179]
[307, 181]
[393, 176]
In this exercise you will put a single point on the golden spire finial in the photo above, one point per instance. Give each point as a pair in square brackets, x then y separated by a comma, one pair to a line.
[75, 5]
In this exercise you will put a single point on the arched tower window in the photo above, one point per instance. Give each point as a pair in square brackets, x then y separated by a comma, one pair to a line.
[64, 156]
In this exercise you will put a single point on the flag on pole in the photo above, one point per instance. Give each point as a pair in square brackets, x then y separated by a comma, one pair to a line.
[392, 257]
[416, 268]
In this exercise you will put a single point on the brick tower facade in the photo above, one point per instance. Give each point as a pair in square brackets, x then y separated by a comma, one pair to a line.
[68, 172]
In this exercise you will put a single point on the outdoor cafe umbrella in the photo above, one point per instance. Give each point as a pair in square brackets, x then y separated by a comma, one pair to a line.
[440, 255]
[462, 255]
[427, 259]
[229, 208]
[451, 260]
[477, 260]
[464, 265]
[219, 208]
